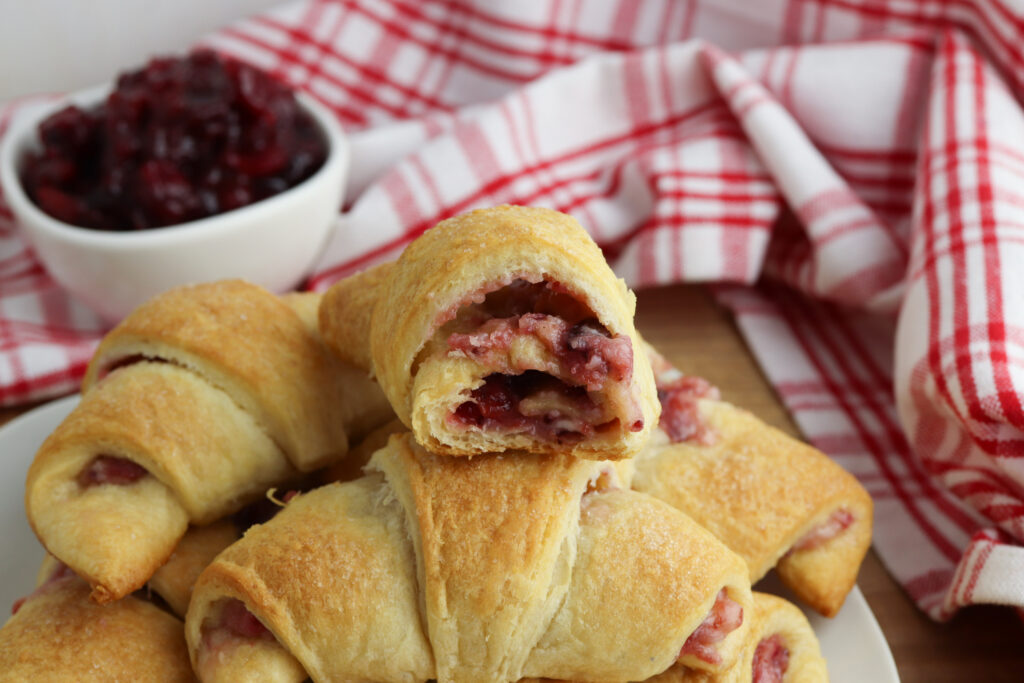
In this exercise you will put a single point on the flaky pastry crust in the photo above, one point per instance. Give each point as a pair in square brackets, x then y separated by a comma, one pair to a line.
[211, 394]
[450, 268]
[60, 635]
[493, 568]
[760, 491]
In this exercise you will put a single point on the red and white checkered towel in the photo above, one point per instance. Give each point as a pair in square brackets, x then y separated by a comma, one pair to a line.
[850, 171]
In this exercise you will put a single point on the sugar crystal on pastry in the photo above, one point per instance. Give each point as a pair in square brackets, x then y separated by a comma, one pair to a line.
[457, 569]
[776, 501]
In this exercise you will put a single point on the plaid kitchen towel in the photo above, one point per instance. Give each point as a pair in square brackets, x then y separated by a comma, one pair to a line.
[848, 172]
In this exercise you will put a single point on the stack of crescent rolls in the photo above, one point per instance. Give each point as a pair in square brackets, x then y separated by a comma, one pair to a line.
[464, 465]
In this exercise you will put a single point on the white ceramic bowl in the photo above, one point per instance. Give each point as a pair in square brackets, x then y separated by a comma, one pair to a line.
[272, 242]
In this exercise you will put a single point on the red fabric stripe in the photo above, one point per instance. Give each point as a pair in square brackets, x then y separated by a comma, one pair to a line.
[478, 151]
[25, 389]
[979, 565]
[466, 34]
[933, 582]
[954, 204]
[1009, 401]
[455, 54]
[549, 31]
[372, 72]
[882, 380]
[401, 198]
[871, 444]
[944, 80]
[892, 156]
[624, 21]
[345, 112]
[501, 181]
[987, 36]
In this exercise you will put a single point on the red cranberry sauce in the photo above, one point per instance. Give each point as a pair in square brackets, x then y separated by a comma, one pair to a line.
[237, 619]
[726, 616]
[532, 403]
[181, 139]
[233, 622]
[839, 521]
[771, 660]
[585, 353]
[107, 469]
[520, 297]
[680, 419]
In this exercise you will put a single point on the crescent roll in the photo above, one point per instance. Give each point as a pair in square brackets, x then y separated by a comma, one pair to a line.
[456, 569]
[173, 581]
[58, 634]
[775, 501]
[193, 406]
[781, 648]
[503, 329]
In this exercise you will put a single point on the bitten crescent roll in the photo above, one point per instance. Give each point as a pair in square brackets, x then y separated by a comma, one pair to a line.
[194, 405]
[58, 634]
[456, 569]
[772, 499]
[501, 329]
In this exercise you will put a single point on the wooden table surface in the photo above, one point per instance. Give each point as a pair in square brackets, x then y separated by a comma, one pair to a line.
[983, 644]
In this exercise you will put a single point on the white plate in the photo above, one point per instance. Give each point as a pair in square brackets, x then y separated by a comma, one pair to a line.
[852, 642]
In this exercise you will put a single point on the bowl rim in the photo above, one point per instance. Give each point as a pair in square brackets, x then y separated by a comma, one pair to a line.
[24, 127]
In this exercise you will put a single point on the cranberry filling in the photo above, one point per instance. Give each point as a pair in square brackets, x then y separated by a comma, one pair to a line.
[584, 351]
[234, 622]
[237, 619]
[680, 419]
[543, 397]
[725, 616]
[181, 139]
[532, 403]
[520, 297]
[107, 469]
[771, 660]
[839, 521]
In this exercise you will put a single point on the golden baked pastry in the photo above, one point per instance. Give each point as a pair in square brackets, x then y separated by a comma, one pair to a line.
[775, 501]
[173, 581]
[781, 648]
[346, 312]
[193, 406]
[503, 329]
[483, 569]
[58, 634]
[264, 351]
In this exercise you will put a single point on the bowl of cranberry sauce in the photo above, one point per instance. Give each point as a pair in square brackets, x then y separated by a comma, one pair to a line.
[189, 169]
